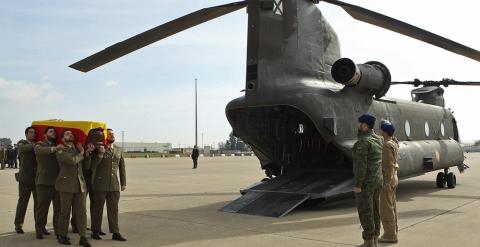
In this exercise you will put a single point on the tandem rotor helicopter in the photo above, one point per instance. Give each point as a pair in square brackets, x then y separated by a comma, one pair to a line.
[301, 103]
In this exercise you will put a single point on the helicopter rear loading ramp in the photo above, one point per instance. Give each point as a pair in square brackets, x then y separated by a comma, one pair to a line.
[279, 196]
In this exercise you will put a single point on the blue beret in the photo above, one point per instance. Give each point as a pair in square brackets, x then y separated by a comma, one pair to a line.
[388, 128]
[367, 118]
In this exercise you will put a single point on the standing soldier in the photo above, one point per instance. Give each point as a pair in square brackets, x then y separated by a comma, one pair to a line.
[9, 157]
[388, 205]
[15, 157]
[106, 186]
[2, 157]
[47, 172]
[72, 188]
[367, 161]
[195, 154]
[26, 178]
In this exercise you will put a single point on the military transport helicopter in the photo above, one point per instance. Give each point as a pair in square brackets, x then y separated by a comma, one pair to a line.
[301, 103]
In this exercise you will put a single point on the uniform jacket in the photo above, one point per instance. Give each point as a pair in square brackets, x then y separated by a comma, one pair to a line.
[195, 153]
[389, 162]
[2, 155]
[47, 165]
[105, 169]
[11, 154]
[28, 162]
[70, 178]
[367, 160]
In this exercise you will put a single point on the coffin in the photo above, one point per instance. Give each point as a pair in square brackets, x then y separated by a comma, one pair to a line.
[84, 131]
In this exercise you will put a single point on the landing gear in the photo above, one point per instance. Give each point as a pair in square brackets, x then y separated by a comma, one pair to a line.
[451, 180]
[447, 178]
[441, 180]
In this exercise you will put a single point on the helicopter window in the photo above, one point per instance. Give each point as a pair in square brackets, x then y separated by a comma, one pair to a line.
[300, 129]
[427, 129]
[407, 128]
[442, 129]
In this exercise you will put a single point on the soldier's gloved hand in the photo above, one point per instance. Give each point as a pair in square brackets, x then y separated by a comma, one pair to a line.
[123, 187]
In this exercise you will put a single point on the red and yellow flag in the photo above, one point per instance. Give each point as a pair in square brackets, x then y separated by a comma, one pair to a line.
[79, 128]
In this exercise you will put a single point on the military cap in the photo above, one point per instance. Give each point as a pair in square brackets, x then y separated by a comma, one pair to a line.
[367, 118]
[388, 128]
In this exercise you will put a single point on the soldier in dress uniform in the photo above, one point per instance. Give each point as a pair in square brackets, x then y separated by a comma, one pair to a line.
[367, 162]
[72, 188]
[2, 157]
[106, 163]
[388, 204]
[26, 177]
[47, 172]
[15, 156]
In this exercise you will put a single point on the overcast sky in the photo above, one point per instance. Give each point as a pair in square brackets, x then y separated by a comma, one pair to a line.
[149, 94]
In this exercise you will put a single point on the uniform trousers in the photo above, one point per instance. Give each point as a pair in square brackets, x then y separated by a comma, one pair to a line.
[112, 198]
[24, 192]
[368, 211]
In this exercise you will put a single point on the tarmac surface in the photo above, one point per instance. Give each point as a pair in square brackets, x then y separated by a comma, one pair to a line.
[169, 204]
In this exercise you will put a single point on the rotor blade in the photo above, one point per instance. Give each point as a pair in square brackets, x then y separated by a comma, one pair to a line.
[406, 29]
[155, 34]
[444, 82]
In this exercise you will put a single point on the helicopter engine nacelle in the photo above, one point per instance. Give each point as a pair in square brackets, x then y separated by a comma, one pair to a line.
[372, 78]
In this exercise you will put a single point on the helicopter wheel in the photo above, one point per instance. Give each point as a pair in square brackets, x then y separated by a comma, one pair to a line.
[451, 180]
[441, 180]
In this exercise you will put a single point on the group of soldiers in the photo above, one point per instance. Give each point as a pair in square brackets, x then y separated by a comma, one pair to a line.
[8, 157]
[376, 180]
[62, 175]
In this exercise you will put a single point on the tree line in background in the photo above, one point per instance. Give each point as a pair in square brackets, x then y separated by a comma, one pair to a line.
[234, 143]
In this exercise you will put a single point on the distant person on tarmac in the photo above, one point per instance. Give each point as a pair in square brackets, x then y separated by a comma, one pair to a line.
[14, 157]
[3, 155]
[195, 154]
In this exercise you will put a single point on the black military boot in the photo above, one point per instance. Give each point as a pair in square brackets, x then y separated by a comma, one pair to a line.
[95, 235]
[45, 232]
[84, 242]
[118, 237]
[19, 230]
[57, 236]
[39, 236]
[101, 233]
[63, 240]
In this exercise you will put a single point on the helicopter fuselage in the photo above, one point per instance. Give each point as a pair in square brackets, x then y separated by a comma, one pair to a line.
[315, 127]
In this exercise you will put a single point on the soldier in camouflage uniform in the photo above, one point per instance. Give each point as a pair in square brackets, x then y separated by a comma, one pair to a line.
[367, 161]
[388, 205]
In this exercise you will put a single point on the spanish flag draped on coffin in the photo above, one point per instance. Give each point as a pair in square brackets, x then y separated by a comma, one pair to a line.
[81, 129]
